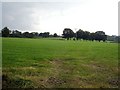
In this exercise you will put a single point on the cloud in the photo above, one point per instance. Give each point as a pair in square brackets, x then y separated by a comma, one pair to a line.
[91, 15]
[44, 0]
[32, 16]
[17, 16]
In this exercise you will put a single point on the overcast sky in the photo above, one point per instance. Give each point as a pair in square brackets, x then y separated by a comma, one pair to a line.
[55, 15]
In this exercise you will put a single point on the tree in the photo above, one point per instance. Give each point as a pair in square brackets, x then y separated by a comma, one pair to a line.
[16, 33]
[92, 36]
[79, 34]
[86, 35]
[35, 34]
[28, 35]
[55, 35]
[0, 34]
[31, 35]
[68, 33]
[45, 34]
[100, 35]
[41, 34]
[5, 32]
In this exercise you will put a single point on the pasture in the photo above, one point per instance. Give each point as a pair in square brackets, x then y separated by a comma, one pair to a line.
[54, 63]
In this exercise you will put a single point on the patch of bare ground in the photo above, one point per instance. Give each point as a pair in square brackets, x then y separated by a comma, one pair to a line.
[55, 81]
[57, 66]
[114, 82]
[64, 75]
[99, 67]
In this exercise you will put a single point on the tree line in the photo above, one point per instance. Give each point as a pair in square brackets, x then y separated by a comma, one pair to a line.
[85, 35]
[15, 33]
[67, 34]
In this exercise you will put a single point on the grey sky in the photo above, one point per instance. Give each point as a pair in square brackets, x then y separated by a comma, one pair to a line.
[54, 16]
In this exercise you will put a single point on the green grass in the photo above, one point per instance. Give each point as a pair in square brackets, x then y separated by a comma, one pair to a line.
[53, 63]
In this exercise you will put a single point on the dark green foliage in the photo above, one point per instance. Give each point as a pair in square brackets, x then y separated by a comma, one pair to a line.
[5, 32]
[16, 33]
[45, 34]
[55, 35]
[28, 35]
[79, 34]
[92, 36]
[68, 33]
[100, 35]
[85, 35]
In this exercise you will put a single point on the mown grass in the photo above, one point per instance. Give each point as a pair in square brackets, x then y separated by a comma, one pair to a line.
[53, 63]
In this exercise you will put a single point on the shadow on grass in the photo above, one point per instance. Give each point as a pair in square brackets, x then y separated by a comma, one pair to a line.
[8, 82]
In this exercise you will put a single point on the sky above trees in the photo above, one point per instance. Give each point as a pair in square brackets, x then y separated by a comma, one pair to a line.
[55, 15]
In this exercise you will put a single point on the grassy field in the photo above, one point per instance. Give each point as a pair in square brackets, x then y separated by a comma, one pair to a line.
[53, 63]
